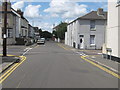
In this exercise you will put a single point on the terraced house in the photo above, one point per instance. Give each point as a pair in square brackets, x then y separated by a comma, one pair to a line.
[88, 31]
[13, 21]
[111, 47]
[17, 25]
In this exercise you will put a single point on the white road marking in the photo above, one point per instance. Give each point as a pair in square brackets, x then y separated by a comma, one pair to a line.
[100, 53]
[26, 50]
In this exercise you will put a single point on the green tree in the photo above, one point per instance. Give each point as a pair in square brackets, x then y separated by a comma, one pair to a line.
[60, 31]
[40, 32]
[46, 34]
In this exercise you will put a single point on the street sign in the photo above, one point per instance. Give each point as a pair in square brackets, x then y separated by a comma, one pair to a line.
[4, 36]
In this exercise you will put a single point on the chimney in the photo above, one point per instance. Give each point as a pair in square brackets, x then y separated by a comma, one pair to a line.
[20, 12]
[100, 11]
[8, 6]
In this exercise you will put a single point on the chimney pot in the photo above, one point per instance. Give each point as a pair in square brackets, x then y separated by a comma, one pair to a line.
[100, 11]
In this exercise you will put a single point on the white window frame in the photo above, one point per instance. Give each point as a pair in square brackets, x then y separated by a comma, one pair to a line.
[92, 25]
[9, 33]
[92, 40]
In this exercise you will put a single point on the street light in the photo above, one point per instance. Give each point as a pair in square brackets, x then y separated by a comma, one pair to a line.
[5, 30]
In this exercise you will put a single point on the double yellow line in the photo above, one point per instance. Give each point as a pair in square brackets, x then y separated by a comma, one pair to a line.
[14, 67]
[63, 47]
[97, 65]
[100, 67]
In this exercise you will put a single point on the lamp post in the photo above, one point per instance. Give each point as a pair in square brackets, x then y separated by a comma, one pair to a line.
[5, 30]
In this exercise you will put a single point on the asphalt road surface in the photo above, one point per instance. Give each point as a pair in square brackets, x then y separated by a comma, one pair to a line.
[50, 66]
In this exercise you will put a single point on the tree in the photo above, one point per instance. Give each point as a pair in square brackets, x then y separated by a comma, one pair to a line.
[60, 31]
[40, 32]
[46, 34]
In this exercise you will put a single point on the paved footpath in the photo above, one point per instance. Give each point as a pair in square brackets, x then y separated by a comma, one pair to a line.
[17, 50]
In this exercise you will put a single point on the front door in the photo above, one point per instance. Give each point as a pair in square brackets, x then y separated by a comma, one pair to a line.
[81, 41]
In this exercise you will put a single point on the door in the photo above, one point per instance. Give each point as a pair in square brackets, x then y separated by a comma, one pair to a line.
[81, 41]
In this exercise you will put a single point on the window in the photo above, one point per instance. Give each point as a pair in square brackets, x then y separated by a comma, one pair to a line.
[9, 33]
[81, 35]
[92, 25]
[92, 39]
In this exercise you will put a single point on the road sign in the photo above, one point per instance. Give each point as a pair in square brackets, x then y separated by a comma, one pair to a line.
[4, 36]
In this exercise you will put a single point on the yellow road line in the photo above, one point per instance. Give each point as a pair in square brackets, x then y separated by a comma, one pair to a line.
[104, 69]
[63, 47]
[9, 72]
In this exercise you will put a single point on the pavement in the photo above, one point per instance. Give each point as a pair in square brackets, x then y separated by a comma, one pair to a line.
[7, 62]
[55, 66]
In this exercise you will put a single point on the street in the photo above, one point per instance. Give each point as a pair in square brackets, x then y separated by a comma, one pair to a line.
[51, 66]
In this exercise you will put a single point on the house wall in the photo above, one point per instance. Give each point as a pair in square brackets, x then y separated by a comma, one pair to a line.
[66, 38]
[11, 24]
[84, 29]
[31, 31]
[24, 31]
[0, 29]
[17, 27]
[119, 32]
[1, 36]
[112, 29]
[69, 30]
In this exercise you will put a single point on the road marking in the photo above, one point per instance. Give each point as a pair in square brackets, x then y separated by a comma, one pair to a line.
[26, 50]
[5, 67]
[9, 72]
[63, 47]
[104, 69]
[104, 65]
[99, 53]
[20, 81]
[97, 65]
[37, 46]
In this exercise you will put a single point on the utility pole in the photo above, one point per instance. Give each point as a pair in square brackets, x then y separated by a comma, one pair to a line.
[5, 30]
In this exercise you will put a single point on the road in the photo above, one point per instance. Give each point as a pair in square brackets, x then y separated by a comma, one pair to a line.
[51, 66]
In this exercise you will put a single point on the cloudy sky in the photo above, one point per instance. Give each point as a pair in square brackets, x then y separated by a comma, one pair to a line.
[45, 14]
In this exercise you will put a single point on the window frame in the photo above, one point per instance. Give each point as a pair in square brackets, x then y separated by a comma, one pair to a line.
[92, 25]
[9, 33]
[92, 41]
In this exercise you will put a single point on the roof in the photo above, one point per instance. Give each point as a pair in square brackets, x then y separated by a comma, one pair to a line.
[93, 15]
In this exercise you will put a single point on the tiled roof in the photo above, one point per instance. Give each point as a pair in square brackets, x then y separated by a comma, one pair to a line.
[93, 15]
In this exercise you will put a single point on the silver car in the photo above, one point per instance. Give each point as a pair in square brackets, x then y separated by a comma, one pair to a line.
[41, 41]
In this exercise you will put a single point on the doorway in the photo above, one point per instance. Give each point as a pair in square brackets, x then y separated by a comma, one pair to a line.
[81, 40]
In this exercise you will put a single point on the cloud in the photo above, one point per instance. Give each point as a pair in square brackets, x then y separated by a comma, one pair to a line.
[66, 9]
[18, 5]
[32, 11]
[45, 26]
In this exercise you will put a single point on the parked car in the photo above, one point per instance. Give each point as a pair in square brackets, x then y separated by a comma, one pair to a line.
[41, 41]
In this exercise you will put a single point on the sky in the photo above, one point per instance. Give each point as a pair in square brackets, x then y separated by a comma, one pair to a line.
[45, 14]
